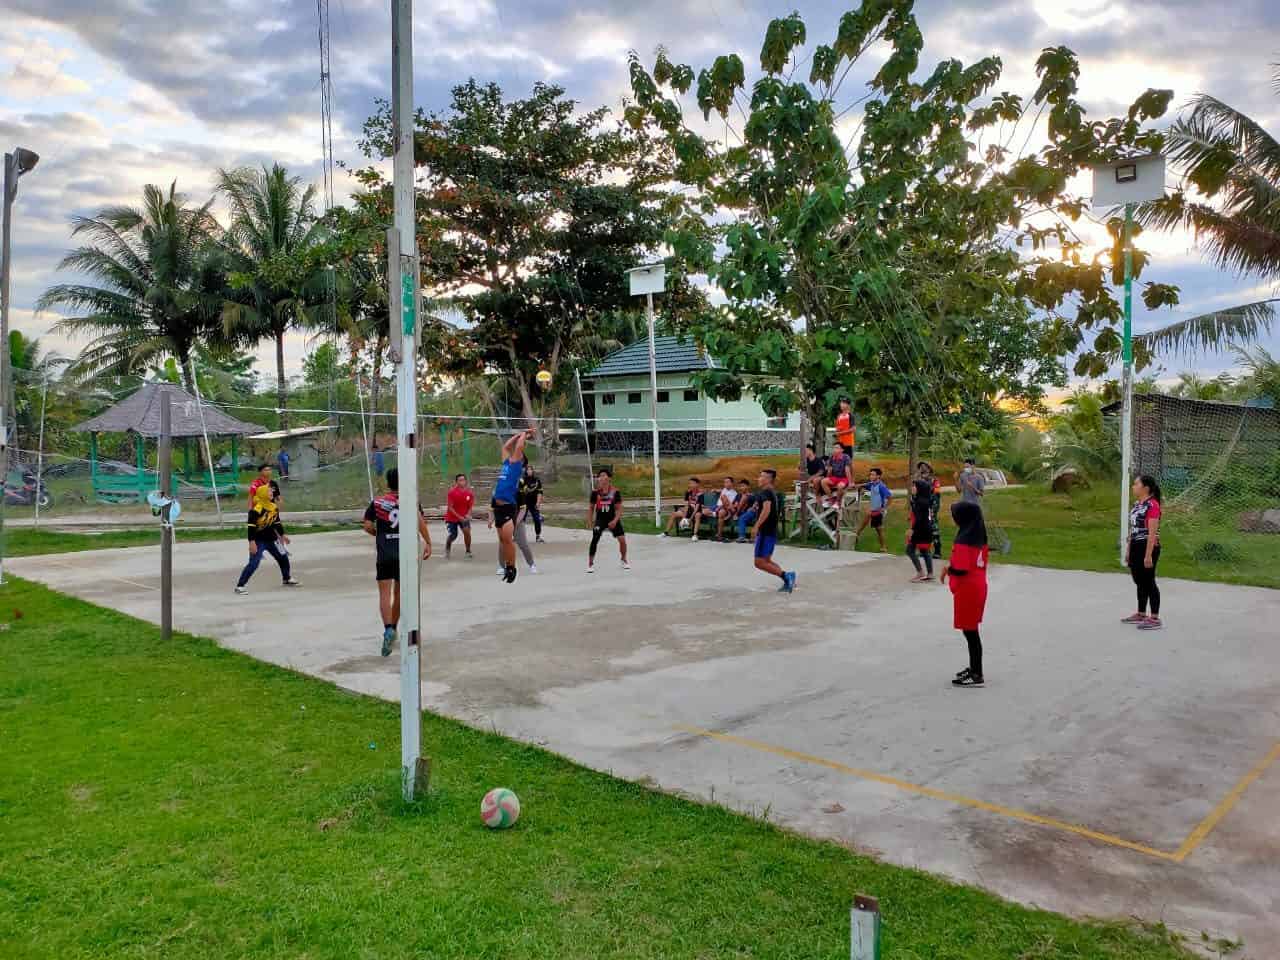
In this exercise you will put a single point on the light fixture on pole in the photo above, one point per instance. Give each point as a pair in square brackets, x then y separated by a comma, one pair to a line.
[15, 165]
[648, 280]
[1126, 182]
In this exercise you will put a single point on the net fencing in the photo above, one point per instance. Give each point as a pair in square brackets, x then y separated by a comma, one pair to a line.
[1218, 467]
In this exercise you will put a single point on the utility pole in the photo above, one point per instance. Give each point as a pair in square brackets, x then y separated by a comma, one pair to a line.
[164, 466]
[15, 165]
[1126, 382]
[405, 292]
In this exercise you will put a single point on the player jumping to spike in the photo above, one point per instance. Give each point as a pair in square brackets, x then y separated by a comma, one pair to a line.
[506, 501]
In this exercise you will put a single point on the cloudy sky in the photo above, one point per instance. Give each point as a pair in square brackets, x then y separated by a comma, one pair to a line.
[114, 94]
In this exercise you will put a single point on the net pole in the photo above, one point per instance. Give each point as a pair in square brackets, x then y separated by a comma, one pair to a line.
[586, 439]
[1126, 411]
[364, 432]
[44, 398]
[653, 413]
[208, 452]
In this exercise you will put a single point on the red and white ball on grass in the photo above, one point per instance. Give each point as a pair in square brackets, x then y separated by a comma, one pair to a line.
[500, 808]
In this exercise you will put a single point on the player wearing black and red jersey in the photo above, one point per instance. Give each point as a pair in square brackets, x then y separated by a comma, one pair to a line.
[967, 569]
[605, 514]
[382, 522]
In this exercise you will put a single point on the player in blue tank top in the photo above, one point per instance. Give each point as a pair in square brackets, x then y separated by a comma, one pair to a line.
[505, 502]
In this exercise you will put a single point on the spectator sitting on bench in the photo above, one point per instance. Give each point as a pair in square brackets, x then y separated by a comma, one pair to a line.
[708, 508]
[747, 509]
[838, 470]
[815, 468]
[688, 509]
[726, 507]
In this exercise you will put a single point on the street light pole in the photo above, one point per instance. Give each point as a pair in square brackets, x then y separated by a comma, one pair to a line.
[1126, 402]
[653, 414]
[15, 165]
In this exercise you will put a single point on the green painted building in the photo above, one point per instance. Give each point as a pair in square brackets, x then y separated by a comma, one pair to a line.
[616, 398]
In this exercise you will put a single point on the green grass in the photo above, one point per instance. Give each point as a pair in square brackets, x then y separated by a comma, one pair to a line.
[185, 801]
[1079, 532]
[29, 542]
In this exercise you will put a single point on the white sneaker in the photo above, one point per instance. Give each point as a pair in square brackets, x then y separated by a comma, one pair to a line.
[533, 568]
[625, 565]
[590, 568]
[501, 570]
[242, 590]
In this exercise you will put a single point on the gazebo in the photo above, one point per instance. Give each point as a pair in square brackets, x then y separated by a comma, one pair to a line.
[139, 414]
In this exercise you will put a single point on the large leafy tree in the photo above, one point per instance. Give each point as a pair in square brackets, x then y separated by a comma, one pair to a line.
[280, 269]
[154, 284]
[1229, 195]
[530, 213]
[883, 265]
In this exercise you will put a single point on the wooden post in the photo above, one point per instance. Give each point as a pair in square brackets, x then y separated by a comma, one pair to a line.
[163, 464]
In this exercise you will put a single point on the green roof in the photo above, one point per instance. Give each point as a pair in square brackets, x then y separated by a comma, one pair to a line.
[673, 355]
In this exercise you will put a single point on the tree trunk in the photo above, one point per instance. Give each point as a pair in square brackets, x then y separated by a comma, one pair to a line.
[184, 371]
[282, 388]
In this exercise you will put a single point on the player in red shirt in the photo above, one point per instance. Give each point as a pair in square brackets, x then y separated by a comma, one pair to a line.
[457, 515]
[968, 571]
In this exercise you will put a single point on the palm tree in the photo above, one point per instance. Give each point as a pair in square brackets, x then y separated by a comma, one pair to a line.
[279, 272]
[156, 285]
[1192, 386]
[26, 354]
[1232, 160]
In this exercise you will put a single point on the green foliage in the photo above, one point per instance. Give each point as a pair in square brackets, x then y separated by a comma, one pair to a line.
[324, 365]
[885, 272]
[1081, 437]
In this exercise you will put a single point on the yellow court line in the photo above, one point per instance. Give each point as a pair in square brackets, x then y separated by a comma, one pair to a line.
[944, 795]
[1205, 827]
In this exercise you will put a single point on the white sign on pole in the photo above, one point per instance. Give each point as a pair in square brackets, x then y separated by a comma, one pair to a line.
[1132, 180]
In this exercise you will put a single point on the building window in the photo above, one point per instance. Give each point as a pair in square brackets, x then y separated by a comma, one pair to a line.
[691, 396]
[664, 396]
[607, 399]
[588, 385]
[776, 423]
[633, 397]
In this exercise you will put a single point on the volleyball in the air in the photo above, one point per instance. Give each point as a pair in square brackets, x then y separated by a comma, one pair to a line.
[500, 808]
[544, 378]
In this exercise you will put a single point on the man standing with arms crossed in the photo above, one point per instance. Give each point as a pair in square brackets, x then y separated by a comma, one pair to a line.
[382, 522]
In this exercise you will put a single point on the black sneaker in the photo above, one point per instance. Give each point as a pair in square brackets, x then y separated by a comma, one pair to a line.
[509, 574]
[967, 678]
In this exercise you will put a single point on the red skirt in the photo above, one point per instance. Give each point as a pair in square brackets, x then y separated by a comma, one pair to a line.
[970, 601]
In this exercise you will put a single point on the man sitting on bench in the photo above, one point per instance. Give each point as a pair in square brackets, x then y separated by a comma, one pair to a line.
[726, 507]
[688, 509]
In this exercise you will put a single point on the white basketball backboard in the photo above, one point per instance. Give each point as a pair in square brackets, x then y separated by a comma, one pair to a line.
[1132, 180]
[650, 278]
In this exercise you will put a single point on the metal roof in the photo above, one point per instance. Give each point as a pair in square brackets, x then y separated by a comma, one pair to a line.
[293, 432]
[673, 354]
[140, 413]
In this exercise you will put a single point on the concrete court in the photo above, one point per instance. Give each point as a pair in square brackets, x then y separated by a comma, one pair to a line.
[1101, 772]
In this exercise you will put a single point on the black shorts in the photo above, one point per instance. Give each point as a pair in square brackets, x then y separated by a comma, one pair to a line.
[877, 521]
[616, 530]
[387, 568]
[503, 513]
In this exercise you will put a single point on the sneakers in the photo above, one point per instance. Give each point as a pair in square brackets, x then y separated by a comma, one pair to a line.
[624, 565]
[665, 534]
[509, 574]
[1135, 618]
[467, 556]
[533, 568]
[502, 571]
[590, 568]
[743, 540]
[388, 638]
[292, 582]
[538, 540]
[242, 590]
[788, 582]
[1151, 623]
[967, 678]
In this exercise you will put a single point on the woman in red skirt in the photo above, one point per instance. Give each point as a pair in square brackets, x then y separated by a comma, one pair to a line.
[968, 571]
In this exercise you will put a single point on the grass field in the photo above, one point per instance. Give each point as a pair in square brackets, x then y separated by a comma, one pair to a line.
[185, 801]
[29, 542]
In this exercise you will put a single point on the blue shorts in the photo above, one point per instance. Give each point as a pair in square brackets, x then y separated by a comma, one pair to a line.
[453, 526]
[764, 546]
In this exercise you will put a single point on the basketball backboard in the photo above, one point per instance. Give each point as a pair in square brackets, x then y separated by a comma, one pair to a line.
[1131, 180]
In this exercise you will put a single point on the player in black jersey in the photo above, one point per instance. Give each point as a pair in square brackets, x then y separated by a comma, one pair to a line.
[605, 514]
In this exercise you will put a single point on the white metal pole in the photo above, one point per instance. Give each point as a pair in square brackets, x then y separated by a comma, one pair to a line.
[208, 452]
[44, 399]
[6, 410]
[413, 772]
[586, 436]
[1126, 403]
[653, 414]
[364, 433]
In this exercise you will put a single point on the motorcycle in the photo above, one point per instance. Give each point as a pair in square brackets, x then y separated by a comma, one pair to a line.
[27, 493]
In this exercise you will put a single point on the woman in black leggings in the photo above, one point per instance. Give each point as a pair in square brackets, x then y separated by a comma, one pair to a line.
[1143, 551]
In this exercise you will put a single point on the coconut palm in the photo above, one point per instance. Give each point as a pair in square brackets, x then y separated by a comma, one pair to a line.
[154, 290]
[1235, 164]
[280, 275]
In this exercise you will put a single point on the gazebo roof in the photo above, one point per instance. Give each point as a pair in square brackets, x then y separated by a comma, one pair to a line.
[140, 413]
